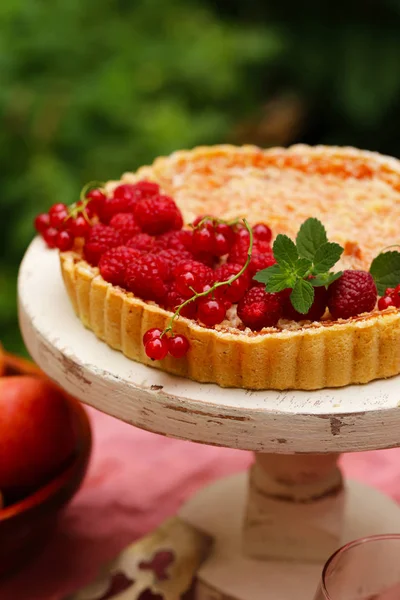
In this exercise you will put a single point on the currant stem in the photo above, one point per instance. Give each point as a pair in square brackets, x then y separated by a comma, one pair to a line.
[88, 187]
[216, 285]
[216, 220]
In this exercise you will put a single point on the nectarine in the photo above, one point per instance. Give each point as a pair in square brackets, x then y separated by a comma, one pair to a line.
[36, 432]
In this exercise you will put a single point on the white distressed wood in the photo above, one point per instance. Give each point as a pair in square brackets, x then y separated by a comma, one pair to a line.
[295, 507]
[229, 575]
[331, 420]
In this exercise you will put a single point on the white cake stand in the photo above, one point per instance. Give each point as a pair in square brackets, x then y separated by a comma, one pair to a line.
[273, 528]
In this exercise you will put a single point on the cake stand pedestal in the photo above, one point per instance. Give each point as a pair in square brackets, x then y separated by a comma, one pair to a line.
[274, 527]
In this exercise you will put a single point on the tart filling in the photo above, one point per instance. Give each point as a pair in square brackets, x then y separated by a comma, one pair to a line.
[274, 304]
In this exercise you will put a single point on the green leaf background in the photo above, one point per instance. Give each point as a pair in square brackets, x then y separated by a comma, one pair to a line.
[90, 89]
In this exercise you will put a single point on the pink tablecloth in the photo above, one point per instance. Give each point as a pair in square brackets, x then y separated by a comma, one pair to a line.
[135, 480]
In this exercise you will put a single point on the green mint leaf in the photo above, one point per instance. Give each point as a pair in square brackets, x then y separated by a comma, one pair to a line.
[302, 296]
[279, 282]
[326, 257]
[302, 266]
[311, 236]
[285, 252]
[385, 269]
[325, 279]
[264, 275]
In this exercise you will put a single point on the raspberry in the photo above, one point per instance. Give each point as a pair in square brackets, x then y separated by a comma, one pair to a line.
[178, 240]
[157, 349]
[144, 188]
[240, 248]
[178, 346]
[316, 311]
[158, 214]
[260, 261]
[192, 275]
[42, 222]
[259, 309]
[142, 241]
[174, 257]
[174, 299]
[211, 311]
[101, 239]
[236, 290]
[352, 294]
[114, 262]
[146, 277]
[126, 224]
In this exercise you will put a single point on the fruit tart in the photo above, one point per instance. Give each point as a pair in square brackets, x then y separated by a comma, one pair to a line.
[250, 268]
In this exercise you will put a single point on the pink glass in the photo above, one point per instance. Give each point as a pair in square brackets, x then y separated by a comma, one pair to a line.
[367, 569]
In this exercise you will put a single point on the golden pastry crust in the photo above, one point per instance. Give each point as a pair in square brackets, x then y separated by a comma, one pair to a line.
[357, 196]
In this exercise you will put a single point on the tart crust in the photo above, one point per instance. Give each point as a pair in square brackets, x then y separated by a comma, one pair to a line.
[314, 356]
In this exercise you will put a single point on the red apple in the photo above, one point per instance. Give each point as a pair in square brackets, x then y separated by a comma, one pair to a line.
[36, 432]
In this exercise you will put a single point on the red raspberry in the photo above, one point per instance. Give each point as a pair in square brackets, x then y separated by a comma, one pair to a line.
[352, 294]
[259, 309]
[146, 277]
[142, 241]
[157, 349]
[42, 222]
[158, 214]
[192, 275]
[178, 240]
[174, 299]
[146, 189]
[211, 311]
[236, 290]
[178, 346]
[101, 239]
[316, 311]
[114, 262]
[260, 261]
[174, 257]
[126, 224]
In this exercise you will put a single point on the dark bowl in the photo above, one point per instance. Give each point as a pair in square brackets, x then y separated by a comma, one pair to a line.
[25, 525]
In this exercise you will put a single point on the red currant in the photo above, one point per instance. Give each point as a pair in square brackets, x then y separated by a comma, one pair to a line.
[211, 311]
[389, 292]
[50, 236]
[178, 346]
[58, 213]
[42, 222]
[97, 197]
[203, 240]
[185, 284]
[79, 227]
[262, 232]
[221, 245]
[207, 223]
[226, 231]
[64, 241]
[241, 232]
[157, 349]
[396, 296]
[151, 334]
[385, 302]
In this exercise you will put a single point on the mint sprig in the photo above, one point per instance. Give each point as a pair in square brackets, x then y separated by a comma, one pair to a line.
[385, 269]
[303, 265]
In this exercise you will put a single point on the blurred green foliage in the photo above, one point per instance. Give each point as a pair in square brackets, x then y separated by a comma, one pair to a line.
[89, 89]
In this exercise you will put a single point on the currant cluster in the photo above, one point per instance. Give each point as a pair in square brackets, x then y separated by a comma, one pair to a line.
[390, 299]
[59, 227]
[158, 344]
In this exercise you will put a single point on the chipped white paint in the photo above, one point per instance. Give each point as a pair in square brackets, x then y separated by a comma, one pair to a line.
[228, 575]
[332, 420]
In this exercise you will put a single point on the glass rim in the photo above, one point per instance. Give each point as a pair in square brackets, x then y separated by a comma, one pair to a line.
[349, 546]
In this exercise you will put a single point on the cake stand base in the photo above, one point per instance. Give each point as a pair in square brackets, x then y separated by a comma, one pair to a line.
[229, 575]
